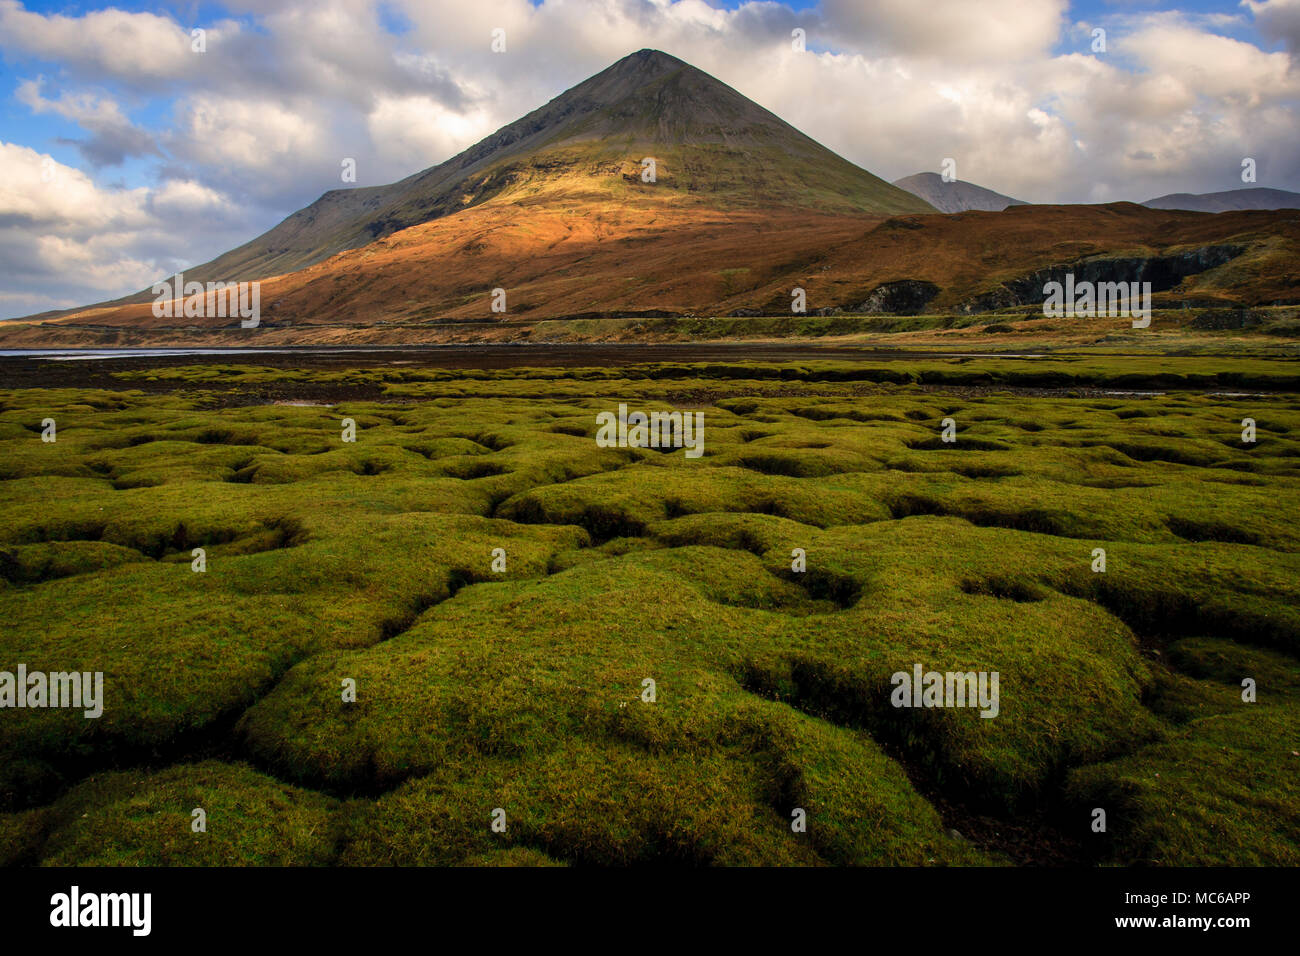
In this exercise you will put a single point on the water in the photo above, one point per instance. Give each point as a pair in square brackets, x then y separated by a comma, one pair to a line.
[65, 355]
[680, 351]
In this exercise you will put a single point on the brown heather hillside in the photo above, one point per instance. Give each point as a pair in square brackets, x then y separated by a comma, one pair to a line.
[565, 255]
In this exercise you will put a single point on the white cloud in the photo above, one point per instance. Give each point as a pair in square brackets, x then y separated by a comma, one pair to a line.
[1212, 66]
[66, 241]
[39, 192]
[991, 31]
[1279, 20]
[113, 136]
[419, 131]
[179, 197]
[256, 136]
[113, 42]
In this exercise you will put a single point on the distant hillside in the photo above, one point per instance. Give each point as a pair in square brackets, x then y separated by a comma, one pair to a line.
[955, 196]
[434, 282]
[1228, 201]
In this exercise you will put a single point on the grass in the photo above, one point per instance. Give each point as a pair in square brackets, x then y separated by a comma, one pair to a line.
[522, 689]
[1221, 329]
[815, 378]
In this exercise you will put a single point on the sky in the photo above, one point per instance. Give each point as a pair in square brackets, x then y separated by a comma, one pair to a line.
[127, 154]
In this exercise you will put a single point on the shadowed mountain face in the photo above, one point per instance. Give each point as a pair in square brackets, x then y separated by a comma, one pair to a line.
[955, 196]
[710, 144]
[1228, 201]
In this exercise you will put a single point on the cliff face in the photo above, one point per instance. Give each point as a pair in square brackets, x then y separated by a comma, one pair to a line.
[1162, 272]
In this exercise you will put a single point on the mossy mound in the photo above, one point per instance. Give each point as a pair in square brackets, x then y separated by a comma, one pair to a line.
[497, 589]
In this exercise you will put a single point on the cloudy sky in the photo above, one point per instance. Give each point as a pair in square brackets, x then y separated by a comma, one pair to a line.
[126, 155]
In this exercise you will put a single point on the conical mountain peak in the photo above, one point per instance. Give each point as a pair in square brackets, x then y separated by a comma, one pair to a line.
[711, 145]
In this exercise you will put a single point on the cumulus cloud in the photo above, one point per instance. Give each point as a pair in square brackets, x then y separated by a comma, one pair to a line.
[255, 138]
[65, 241]
[129, 46]
[113, 136]
[411, 129]
[1279, 20]
[957, 31]
[37, 191]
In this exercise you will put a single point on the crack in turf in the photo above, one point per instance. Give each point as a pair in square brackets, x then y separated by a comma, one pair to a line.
[1031, 834]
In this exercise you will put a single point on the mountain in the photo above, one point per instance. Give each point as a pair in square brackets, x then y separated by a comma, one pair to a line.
[1228, 201]
[708, 141]
[954, 196]
[552, 211]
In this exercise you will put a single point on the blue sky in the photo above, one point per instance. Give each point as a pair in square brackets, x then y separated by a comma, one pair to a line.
[161, 158]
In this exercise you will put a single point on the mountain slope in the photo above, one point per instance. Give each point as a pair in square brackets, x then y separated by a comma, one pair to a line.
[433, 282]
[1228, 201]
[709, 142]
[955, 196]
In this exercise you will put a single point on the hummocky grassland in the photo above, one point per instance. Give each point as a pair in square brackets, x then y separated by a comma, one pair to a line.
[522, 690]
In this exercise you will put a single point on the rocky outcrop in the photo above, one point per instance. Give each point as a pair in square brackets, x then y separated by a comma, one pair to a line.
[1163, 272]
[903, 297]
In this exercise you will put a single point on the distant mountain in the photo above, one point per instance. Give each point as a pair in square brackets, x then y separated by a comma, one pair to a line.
[709, 143]
[955, 196]
[1229, 201]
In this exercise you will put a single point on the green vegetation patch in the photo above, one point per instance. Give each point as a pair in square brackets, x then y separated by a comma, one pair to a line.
[643, 657]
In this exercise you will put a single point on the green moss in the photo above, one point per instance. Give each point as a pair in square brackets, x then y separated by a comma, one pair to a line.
[521, 688]
[146, 819]
[1219, 791]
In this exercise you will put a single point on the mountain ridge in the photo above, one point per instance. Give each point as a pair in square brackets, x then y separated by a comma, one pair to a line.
[955, 195]
[1228, 200]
